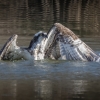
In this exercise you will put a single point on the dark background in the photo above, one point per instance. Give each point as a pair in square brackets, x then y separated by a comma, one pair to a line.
[29, 16]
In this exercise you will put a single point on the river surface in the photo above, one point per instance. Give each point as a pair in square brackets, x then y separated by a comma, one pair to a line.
[50, 79]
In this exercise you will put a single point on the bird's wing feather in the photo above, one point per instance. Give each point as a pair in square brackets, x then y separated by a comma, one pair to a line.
[73, 48]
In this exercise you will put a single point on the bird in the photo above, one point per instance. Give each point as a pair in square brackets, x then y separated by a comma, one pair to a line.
[66, 45]
[10, 50]
[59, 43]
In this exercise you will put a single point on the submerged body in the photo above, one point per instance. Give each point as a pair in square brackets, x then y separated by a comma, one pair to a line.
[59, 43]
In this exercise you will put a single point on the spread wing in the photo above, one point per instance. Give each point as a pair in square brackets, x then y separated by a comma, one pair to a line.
[6, 47]
[75, 49]
[71, 47]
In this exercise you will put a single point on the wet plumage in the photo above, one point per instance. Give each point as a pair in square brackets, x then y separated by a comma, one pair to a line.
[58, 43]
[70, 46]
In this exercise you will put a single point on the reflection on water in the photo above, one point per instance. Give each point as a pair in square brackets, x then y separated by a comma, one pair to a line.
[8, 90]
[43, 88]
[79, 86]
[49, 79]
[61, 80]
[30, 16]
[31, 89]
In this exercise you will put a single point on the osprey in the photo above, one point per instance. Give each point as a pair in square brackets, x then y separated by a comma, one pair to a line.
[10, 50]
[62, 43]
[59, 43]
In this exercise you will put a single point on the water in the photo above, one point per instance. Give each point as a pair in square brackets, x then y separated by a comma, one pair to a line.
[26, 17]
[50, 79]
